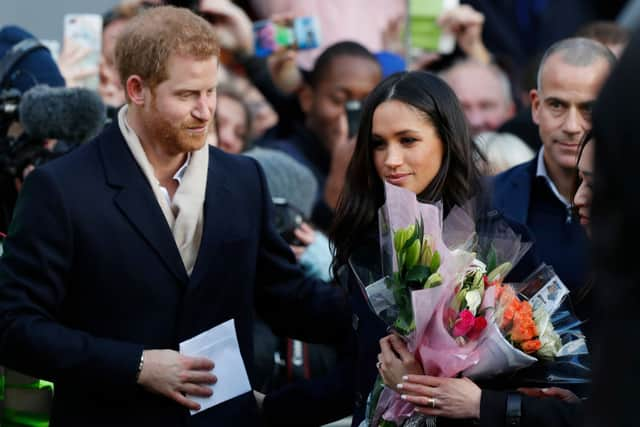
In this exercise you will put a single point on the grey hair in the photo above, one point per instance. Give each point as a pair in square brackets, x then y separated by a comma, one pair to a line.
[577, 51]
[503, 79]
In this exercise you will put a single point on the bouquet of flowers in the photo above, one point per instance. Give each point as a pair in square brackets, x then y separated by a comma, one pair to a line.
[434, 295]
[418, 269]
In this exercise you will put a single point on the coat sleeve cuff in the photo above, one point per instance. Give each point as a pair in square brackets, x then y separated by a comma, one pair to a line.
[493, 407]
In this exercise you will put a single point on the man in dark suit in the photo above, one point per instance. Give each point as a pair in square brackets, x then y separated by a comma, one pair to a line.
[146, 237]
[538, 193]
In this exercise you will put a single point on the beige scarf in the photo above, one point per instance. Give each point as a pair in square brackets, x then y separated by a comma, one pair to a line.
[185, 214]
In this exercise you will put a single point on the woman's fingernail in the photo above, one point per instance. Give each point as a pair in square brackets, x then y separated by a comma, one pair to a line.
[403, 396]
[405, 377]
[399, 386]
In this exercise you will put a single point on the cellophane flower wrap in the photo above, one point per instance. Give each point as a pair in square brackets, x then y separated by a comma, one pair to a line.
[419, 270]
[451, 320]
[534, 320]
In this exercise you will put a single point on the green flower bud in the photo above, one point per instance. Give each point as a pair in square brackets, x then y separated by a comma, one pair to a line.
[434, 280]
[412, 254]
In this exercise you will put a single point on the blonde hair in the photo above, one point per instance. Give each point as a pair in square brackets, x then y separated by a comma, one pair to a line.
[149, 39]
[502, 151]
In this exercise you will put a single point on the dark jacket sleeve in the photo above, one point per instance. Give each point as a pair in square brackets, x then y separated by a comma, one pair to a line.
[35, 273]
[313, 402]
[536, 412]
[293, 305]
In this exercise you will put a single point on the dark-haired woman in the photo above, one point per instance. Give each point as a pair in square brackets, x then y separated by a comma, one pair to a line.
[413, 134]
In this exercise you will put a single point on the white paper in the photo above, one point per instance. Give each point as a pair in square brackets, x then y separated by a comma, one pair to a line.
[220, 344]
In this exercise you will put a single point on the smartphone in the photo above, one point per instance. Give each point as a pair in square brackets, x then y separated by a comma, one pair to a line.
[286, 219]
[269, 37]
[354, 111]
[86, 30]
[424, 31]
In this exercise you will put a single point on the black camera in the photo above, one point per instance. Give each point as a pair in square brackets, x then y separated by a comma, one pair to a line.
[17, 152]
[286, 219]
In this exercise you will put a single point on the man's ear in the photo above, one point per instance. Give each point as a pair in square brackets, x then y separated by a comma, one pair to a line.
[305, 97]
[135, 90]
[534, 95]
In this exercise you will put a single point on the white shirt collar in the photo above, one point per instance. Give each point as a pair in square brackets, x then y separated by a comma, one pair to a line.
[541, 171]
[180, 172]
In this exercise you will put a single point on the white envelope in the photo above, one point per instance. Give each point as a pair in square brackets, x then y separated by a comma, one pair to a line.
[220, 344]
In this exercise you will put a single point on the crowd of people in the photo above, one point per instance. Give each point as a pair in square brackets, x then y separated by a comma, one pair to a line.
[229, 185]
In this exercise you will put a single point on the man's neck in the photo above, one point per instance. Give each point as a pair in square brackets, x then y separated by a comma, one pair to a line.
[563, 179]
[165, 164]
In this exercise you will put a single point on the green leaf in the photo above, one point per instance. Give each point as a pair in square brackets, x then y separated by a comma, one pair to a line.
[477, 280]
[499, 272]
[492, 258]
[459, 300]
[418, 273]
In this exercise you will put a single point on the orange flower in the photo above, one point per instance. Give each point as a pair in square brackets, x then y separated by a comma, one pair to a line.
[524, 327]
[510, 310]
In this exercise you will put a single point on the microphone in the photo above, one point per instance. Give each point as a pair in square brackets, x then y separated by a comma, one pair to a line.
[73, 115]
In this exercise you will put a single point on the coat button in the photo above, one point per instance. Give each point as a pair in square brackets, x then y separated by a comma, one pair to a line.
[355, 321]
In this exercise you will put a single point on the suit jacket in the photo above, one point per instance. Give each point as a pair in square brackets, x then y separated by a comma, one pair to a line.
[91, 276]
[560, 240]
[512, 190]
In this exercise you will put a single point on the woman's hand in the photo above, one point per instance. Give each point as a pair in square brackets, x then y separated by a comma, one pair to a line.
[442, 397]
[395, 361]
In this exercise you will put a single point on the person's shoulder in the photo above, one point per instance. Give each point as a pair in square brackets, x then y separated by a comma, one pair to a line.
[77, 164]
[516, 173]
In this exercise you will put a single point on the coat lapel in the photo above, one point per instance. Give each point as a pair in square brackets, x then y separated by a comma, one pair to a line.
[516, 205]
[215, 213]
[137, 202]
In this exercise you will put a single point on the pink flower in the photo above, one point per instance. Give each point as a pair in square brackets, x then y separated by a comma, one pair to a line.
[464, 323]
[478, 326]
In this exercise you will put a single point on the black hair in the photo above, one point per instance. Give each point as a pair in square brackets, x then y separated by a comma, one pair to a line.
[457, 181]
[586, 139]
[340, 49]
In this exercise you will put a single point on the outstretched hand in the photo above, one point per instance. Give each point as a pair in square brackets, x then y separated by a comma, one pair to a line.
[234, 28]
[466, 24]
[556, 392]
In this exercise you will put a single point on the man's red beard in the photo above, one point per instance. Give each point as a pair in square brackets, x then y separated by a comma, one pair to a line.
[176, 138]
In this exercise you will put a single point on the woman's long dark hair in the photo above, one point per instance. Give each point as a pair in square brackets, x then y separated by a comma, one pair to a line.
[455, 183]
[586, 139]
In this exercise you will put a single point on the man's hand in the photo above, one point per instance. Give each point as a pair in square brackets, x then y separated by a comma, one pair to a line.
[466, 24]
[173, 375]
[555, 392]
[234, 28]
